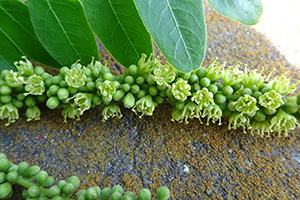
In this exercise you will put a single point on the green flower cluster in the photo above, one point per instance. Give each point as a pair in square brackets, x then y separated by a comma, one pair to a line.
[39, 186]
[249, 99]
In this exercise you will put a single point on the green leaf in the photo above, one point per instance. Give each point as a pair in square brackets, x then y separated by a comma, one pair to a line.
[18, 37]
[246, 12]
[9, 53]
[63, 30]
[120, 29]
[178, 28]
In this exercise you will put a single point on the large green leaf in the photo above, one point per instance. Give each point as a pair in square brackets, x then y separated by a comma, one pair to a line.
[178, 28]
[18, 37]
[9, 53]
[62, 28]
[247, 12]
[120, 28]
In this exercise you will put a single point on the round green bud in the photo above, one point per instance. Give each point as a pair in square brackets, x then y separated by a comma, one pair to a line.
[201, 72]
[45, 76]
[63, 93]
[74, 180]
[213, 88]
[256, 94]
[126, 87]
[48, 182]
[108, 76]
[2, 82]
[41, 98]
[21, 97]
[33, 191]
[48, 93]
[132, 70]
[5, 90]
[260, 116]
[5, 190]
[161, 87]
[68, 189]
[52, 102]
[6, 98]
[269, 111]
[129, 79]
[254, 88]
[219, 99]
[54, 89]
[2, 155]
[19, 89]
[30, 101]
[87, 72]
[23, 166]
[4, 73]
[226, 113]
[162, 93]
[227, 90]
[42, 198]
[163, 193]
[193, 79]
[104, 70]
[96, 72]
[266, 89]
[56, 80]
[144, 194]
[142, 93]
[139, 80]
[121, 79]
[91, 194]
[158, 99]
[298, 99]
[63, 84]
[153, 91]
[31, 171]
[150, 80]
[179, 105]
[61, 184]
[118, 95]
[262, 86]
[246, 91]
[290, 108]
[196, 87]
[128, 196]
[144, 86]
[72, 91]
[13, 167]
[184, 75]
[204, 82]
[97, 100]
[105, 194]
[38, 70]
[48, 82]
[64, 70]
[231, 107]
[2, 177]
[12, 176]
[54, 191]
[129, 100]
[106, 100]
[25, 193]
[135, 89]
[57, 198]
[220, 86]
[232, 97]
[116, 195]
[41, 177]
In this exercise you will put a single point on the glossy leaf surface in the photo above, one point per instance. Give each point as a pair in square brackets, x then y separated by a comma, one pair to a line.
[120, 29]
[246, 12]
[62, 28]
[178, 28]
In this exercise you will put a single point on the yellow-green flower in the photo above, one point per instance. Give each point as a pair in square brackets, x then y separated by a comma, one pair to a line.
[181, 89]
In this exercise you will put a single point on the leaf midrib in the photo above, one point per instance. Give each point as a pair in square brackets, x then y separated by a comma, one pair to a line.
[124, 30]
[179, 32]
[71, 44]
